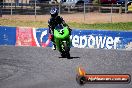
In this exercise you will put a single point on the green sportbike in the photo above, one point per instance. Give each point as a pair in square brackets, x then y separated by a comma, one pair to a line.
[62, 41]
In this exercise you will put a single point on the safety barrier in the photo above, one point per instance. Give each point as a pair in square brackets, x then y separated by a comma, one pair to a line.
[98, 39]
[7, 35]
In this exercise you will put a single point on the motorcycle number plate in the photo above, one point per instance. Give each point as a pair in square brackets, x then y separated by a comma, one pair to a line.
[61, 31]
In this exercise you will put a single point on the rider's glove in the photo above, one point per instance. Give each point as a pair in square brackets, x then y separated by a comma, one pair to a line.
[50, 36]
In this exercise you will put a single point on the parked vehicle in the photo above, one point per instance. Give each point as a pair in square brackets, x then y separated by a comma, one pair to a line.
[33, 1]
[108, 1]
[122, 2]
[73, 3]
[39, 1]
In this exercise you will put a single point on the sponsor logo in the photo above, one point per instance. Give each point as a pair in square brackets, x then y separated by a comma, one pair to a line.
[42, 38]
[82, 77]
[91, 41]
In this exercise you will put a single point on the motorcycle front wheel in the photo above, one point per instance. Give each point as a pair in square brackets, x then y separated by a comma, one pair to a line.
[66, 51]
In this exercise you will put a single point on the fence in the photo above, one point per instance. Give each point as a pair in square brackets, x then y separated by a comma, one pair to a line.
[26, 8]
[43, 8]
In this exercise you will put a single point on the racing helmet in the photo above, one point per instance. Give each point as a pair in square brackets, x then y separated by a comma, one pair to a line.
[54, 12]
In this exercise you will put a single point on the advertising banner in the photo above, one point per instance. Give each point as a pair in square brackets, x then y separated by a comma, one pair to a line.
[7, 35]
[24, 36]
[89, 39]
[102, 39]
[41, 37]
[98, 39]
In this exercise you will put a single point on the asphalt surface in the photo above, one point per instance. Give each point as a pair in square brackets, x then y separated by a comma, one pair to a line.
[34, 67]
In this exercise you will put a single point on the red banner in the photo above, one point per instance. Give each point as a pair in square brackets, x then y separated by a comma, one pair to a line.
[24, 36]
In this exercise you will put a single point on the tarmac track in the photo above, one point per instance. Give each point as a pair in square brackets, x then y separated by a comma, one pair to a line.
[35, 67]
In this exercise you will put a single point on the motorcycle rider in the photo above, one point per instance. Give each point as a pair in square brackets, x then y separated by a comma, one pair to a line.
[53, 22]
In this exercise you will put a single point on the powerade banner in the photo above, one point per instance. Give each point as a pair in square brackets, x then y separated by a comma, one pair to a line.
[7, 35]
[89, 39]
[102, 39]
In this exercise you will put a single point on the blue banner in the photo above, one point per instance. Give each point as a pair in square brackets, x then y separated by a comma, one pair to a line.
[7, 35]
[98, 39]
[102, 39]
[93, 38]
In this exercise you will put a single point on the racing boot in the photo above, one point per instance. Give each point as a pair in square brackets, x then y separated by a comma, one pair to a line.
[54, 47]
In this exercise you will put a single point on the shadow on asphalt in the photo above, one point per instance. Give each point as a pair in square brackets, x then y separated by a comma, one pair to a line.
[71, 57]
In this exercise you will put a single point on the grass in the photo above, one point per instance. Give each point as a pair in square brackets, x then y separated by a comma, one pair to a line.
[103, 26]
[106, 26]
[10, 22]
